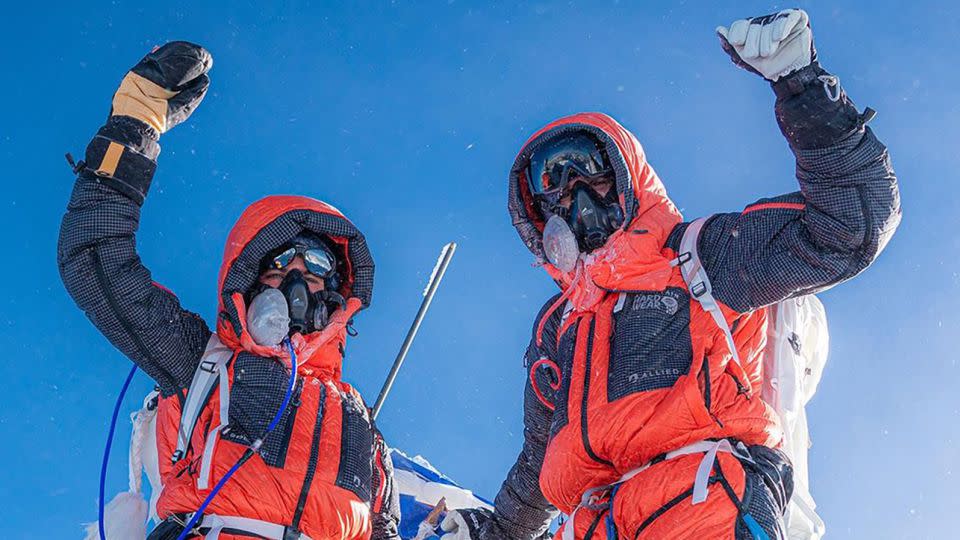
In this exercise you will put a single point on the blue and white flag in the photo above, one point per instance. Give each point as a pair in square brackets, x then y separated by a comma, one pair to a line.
[421, 487]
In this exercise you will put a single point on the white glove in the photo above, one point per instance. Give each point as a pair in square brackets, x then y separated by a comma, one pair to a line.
[772, 45]
[464, 524]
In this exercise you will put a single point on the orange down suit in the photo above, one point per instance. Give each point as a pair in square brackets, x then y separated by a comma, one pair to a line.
[324, 471]
[626, 370]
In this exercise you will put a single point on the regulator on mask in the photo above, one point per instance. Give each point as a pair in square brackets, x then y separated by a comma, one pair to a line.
[300, 303]
[592, 218]
[583, 227]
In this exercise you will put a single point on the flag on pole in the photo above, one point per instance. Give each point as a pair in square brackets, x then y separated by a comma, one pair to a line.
[421, 489]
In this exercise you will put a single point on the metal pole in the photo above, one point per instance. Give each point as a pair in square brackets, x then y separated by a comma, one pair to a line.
[428, 293]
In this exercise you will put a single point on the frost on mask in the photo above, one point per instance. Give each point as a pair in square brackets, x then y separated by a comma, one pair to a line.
[268, 318]
[560, 244]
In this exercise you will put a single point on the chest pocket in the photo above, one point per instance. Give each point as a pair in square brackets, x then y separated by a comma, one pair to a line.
[651, 346]
[257, 392]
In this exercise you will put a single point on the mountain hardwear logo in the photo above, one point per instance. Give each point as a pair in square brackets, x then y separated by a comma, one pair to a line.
[659, 302]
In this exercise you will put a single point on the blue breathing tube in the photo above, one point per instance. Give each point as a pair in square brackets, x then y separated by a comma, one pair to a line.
[243, 459]
[106, 450]
[251, 450]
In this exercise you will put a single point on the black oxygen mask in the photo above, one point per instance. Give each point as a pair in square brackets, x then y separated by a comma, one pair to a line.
[295, 289]
[593, 218]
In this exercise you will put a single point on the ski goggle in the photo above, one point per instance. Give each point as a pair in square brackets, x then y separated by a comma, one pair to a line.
[319, 262]
[555, 163]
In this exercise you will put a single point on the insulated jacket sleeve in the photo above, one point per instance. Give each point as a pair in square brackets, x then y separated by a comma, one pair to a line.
[386, 499]
[100, 267]
[520, 510]
[846, 211]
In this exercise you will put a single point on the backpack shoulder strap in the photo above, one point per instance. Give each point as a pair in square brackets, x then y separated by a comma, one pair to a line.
[698, 283]
[214, 361]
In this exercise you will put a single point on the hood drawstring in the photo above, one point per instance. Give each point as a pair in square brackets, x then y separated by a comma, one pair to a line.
[553, 307]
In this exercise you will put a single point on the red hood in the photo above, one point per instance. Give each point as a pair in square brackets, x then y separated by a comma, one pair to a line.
[633, 257]
[267, 224]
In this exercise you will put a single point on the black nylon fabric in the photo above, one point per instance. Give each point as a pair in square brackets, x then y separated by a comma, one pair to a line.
[768, 487]
[133, 172]
[133, 134]
[101, 270]
[356, 448]
[806, 119]
[852, 208]
[845, 213]
[652, 347]
[259, 386]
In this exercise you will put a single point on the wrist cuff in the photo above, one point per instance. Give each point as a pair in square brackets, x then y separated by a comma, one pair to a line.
[812, 109]
[798, 81]
[122, 156]
[133, 134]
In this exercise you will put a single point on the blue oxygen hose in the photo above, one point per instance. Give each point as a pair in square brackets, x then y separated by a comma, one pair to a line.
[106, 450]
[250, 451]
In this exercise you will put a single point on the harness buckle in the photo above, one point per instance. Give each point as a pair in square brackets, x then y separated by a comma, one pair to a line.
[208, 365]
[291, 533]
[698, 289]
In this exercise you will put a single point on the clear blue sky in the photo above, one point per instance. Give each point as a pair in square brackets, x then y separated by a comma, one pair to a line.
[407, 117]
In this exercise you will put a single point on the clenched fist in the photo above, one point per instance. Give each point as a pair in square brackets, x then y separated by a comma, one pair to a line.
[164, 88]
[771, 46]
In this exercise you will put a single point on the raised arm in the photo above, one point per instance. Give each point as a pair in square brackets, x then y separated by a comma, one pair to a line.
[97, 253]
[848, 206]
